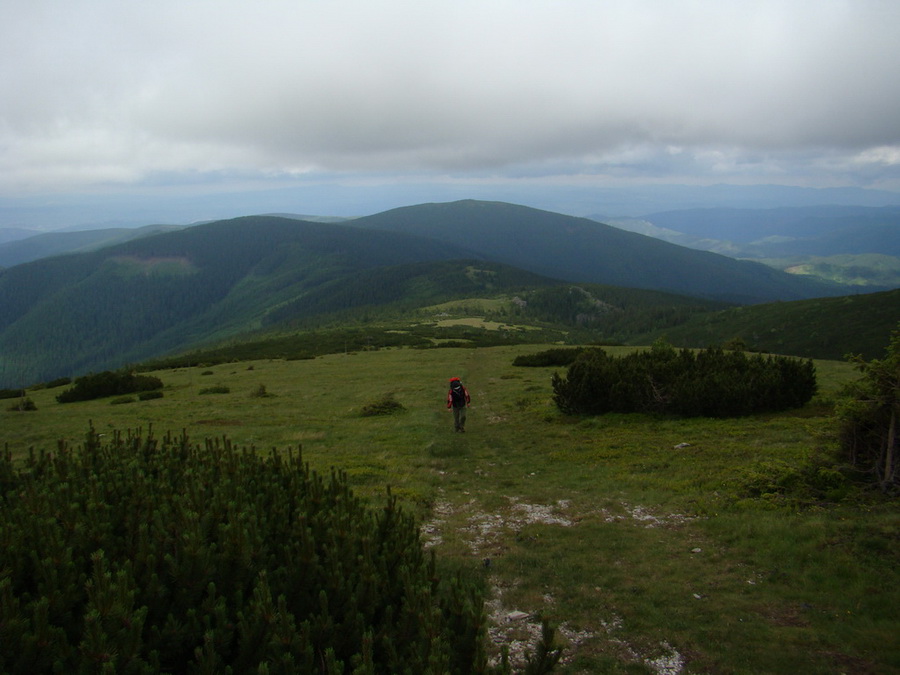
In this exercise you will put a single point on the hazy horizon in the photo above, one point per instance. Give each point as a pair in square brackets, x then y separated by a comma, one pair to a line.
[185, 111]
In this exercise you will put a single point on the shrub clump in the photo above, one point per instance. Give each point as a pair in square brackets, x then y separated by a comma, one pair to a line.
[140, 555]
[149, 395]
[777, 483]
[218, 389]
[708, 383]
[260, 392]
[386, 405]
[23, 405]
[869, 416]
[559, 357]
[108, 383]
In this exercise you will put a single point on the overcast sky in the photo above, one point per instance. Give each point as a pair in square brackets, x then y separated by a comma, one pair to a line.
[181, 96]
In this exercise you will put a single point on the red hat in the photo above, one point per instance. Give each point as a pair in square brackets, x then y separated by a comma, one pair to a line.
[453, 379]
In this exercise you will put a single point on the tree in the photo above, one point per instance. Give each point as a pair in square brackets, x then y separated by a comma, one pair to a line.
[868, 417]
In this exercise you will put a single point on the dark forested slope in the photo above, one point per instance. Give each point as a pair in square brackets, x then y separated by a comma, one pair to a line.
[823, 328]
[173, 291]
[580, 249]
[72, 313]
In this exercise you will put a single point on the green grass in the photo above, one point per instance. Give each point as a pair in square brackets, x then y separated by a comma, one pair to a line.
[825, 328]
[641, 538]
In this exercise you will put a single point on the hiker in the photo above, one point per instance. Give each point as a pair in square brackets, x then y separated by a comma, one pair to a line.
[458, 399]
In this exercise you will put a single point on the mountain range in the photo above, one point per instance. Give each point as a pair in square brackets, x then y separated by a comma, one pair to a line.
[853, 244]
[165, 291]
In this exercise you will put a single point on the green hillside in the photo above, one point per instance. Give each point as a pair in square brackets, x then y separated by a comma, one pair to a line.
[873, 271]
[243, 279]
[583, 250]
[57, 243]
[652, 544]
[451, 304]
[74, 313]
[828, 328]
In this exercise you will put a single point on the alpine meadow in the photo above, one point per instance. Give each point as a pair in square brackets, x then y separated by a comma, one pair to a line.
[228, 448]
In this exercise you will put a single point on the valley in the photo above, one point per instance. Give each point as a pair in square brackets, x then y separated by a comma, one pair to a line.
[261, 279]
[653, 544]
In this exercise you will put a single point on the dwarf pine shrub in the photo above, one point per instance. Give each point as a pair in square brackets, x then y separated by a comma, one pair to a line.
[23, 405]
[558, 356]
[386, 405]
[108, 383]
[146, 555]
[217, 389]
[868, 417]
[708, 383]
[149, 395]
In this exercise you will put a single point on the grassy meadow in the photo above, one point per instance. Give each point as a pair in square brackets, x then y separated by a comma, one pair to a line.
[654, 545]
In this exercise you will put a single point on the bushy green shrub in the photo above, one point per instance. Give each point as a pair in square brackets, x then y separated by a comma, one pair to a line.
[260, 392]
[141, 555]
[149, 395]
[560, 356]
[23, 405]
[708, 383]
[217, 389]
[868, 416]
[779, 483]
[386, 405]
[108, 383]
[11, 393]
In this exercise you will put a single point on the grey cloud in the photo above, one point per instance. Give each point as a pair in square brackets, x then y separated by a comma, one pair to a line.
[102, 91]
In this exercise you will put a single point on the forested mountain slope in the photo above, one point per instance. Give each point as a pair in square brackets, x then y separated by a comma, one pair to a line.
[73, 313]
[580, 249]
[174, 291]
[824, 328]
[809, 224]
[56, 243]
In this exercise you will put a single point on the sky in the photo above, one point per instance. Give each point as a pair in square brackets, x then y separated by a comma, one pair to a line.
[377, 102]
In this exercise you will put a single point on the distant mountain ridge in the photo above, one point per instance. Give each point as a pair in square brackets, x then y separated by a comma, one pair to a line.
[175, 290]
[581, 249]
[634, 201]
[154, 294]
[817, 240]
[797, 222]
[56, 243]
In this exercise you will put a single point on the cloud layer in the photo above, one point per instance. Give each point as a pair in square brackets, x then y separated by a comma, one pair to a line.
[103, 94]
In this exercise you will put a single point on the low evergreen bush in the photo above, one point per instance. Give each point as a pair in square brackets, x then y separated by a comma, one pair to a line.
[869, 416]
[708, 383]
[108, 383]
[149, 395]
[561, 356]
[145, 555]
[260, 392]
[23, 405]
[386, 405]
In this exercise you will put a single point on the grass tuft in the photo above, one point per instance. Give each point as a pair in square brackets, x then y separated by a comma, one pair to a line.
[386, 405]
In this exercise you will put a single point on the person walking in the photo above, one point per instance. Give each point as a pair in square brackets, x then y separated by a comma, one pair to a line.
[458, 399]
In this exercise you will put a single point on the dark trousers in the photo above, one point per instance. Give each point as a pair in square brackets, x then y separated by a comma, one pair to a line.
[459, 418]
